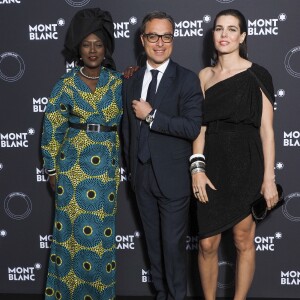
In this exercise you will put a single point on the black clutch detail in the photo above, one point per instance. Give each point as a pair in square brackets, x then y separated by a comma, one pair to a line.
[259, 208]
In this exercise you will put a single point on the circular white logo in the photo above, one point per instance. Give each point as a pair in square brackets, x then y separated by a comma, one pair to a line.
[291, 204]
[8, 204]
[225, 1]
[19, 59]
[287, 62]
[226, 272]
[79, 3]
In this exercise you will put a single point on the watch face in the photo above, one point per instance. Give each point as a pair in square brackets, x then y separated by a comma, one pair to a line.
[149, 118]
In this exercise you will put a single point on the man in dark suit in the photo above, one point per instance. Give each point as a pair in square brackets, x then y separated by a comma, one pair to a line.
[162, 116]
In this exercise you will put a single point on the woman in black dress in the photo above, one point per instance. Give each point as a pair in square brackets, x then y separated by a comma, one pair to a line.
[234, 153]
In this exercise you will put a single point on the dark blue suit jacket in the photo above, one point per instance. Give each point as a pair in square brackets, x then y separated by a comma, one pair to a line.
[177, 123]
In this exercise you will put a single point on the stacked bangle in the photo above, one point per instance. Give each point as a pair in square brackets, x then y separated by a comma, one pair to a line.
[197, 163]
[51, 172]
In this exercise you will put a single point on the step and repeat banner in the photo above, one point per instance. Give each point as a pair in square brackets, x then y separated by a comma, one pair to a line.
[31, 39]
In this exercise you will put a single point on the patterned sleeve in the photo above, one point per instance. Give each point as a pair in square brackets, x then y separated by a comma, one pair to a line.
[55, 124]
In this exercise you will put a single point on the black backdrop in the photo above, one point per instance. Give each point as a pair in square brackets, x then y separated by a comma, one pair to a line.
[31, 39]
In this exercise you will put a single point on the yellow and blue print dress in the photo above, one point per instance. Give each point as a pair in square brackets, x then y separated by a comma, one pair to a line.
[82, 260]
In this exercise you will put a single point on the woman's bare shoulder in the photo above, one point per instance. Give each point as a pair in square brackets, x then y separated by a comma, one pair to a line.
[206, 73]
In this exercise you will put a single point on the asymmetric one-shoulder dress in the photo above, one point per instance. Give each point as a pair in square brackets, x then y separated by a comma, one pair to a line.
[233, 148]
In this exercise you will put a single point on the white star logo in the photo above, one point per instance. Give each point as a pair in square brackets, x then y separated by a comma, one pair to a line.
[207, 18]
[281, 93]
[1, 166]
[278, 235]
[282, 17]
[137, 234]
[37, 266]
[31, 131]
[279, 166]
[61, 22]
[3, 233]
[133, 20]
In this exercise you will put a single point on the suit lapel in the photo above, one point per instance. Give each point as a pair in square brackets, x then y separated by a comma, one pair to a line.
[165, 83]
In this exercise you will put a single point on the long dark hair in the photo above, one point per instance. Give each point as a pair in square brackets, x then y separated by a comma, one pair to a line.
[243, 28]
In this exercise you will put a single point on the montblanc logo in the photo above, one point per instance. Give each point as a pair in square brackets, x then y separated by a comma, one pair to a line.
[287, 62]
[7, 61]
[226, 274]
[10, 2]
[124, 175]
[291, 207]
[146, 276]
[267, 243]
[192, 242]
[45, 241]
[126, 241]
[15, 140]
[291, 138]
[3, 233]
[122, 29]
[23, 273]
[265, 26]
[279, 165]
[45, 31]
[189, 28]
[70, 66]
[17, 206]
[41, 175]
[225, 1]
[290, 277]
[78, 3]
[39, 104]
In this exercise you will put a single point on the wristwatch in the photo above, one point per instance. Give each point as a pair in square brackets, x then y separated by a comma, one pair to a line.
[149, 118]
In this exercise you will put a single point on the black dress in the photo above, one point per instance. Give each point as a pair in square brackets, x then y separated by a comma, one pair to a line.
[233, 148]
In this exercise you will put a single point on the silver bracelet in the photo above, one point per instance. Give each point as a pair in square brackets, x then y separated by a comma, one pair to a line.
[198, 163]
[197, 170]
[197, 155]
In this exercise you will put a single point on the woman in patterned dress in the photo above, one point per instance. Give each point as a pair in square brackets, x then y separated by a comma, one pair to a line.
[80, 147]
[237, 140]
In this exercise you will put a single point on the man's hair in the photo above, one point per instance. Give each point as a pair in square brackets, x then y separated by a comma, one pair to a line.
[156, 15]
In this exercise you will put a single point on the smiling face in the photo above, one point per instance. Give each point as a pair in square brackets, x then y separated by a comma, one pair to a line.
[158, 52]
[227, 35]
[92, 51]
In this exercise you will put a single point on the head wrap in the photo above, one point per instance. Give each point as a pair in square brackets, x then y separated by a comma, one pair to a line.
[85, 22]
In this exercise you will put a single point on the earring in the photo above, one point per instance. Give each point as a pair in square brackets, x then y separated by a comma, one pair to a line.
[80, 58]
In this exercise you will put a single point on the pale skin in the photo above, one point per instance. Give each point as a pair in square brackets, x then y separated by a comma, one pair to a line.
[227, 37]
[157, 53]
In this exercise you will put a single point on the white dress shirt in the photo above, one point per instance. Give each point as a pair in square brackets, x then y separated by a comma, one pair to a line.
[148, 77]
